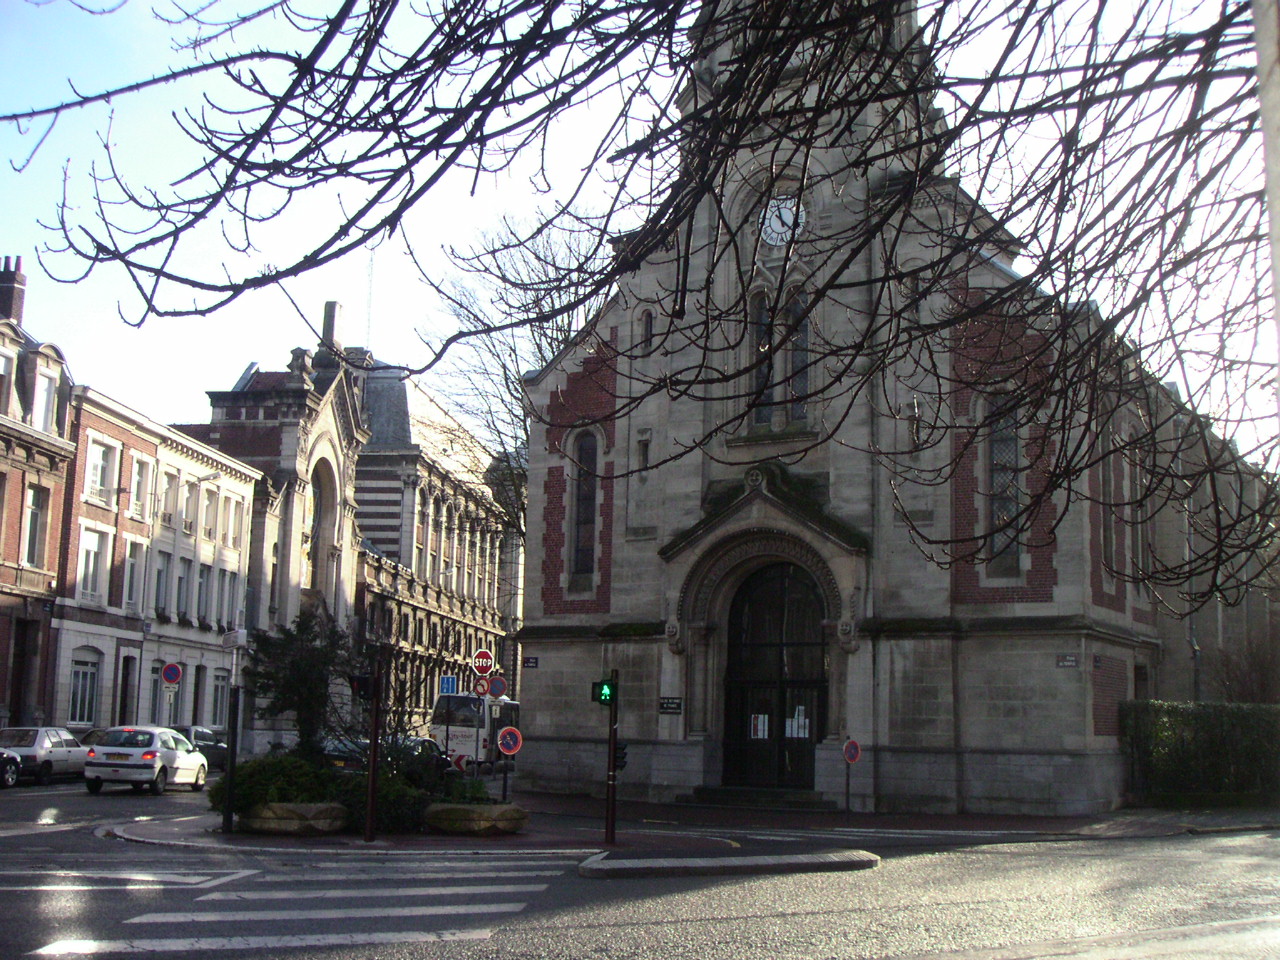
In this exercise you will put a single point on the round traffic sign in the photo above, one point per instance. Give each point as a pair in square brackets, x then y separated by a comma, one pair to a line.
[852, 751]
[497, 685]
[171, 673]
[482, 662]
[509, 740]
[482, 687]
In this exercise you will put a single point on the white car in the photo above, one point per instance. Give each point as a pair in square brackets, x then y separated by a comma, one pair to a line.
[144, 757]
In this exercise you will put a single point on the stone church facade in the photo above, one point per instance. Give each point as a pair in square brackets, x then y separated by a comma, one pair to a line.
[762, 598]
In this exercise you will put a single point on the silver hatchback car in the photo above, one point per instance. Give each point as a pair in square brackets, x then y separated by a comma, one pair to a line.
[44, 752]
[144, 757]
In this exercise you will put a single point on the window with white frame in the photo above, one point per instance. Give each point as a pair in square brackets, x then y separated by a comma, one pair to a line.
[210, 513]
[140, 491]
[35, 525]
[134, 569]
[204, 586]
[100, 472]
[84, 686]
[44, 410]
[184, 586]
[190, 508]
[221, 697]
[169, 511]
[95, 564]
[237, 522]
[232, 609]
[7, 362]
[164, 561]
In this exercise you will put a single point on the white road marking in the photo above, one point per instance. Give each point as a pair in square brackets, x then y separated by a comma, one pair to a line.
[356, 893]
[91, 947]
[247, 916]
[421, 875]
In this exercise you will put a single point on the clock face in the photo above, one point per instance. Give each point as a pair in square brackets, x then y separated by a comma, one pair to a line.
[782, 220]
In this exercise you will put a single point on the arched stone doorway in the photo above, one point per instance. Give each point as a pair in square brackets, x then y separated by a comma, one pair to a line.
[775, 685]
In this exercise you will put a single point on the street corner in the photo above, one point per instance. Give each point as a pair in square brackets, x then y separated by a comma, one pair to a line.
[612, 865]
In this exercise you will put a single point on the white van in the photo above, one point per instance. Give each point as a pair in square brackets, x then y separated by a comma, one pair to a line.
[467, 726]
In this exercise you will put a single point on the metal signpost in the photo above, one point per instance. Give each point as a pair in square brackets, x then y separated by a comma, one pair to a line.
[509, 742]
[851, 754]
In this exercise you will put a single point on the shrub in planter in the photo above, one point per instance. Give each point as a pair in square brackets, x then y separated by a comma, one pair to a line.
[401, 806]
[273, 779]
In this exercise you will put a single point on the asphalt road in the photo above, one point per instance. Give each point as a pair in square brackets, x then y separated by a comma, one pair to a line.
[66, 890]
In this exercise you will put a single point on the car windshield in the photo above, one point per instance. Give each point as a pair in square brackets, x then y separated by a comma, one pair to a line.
[17, 737]
[127, 738]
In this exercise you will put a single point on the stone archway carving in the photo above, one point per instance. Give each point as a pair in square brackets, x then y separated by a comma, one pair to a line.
[760, 543]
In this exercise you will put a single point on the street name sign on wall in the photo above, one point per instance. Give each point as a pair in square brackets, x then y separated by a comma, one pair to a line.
[482, 662]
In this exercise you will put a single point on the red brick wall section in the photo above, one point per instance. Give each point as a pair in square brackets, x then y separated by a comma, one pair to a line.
[986, 352]
[1110, 686]
[588, 396]
[554, 601]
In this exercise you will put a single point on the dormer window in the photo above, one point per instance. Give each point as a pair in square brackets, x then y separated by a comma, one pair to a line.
[45, 408]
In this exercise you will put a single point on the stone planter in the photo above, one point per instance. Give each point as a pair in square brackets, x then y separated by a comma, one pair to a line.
[477, 819]
[299, 819]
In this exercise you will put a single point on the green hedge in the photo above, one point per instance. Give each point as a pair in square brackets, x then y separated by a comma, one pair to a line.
[1176, 749]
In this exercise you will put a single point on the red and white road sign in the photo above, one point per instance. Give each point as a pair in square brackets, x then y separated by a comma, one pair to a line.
[510, 741]
[482, 662]
[481, 688]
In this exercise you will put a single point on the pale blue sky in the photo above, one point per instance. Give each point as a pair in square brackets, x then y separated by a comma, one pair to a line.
[164, 368]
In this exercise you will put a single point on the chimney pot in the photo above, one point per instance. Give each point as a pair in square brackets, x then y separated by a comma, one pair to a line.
[13, 290]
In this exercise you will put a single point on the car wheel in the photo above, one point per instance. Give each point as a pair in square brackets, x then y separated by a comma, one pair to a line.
[159, 783]
[9, 776]
[198, 783]
[93, 786]
[44, 773]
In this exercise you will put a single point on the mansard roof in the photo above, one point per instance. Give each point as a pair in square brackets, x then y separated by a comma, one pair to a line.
[403, 416]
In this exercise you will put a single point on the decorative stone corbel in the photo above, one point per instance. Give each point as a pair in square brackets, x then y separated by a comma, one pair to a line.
[674, 641]
[847, 633]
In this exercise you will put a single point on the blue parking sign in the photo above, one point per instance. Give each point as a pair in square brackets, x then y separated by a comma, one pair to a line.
[448, 685]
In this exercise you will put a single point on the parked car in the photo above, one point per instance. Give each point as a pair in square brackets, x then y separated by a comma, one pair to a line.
[45, 752]
[354, 754]
[10, 768]
[144, 757]
[90, 737]
[208, 743]
[346, 754]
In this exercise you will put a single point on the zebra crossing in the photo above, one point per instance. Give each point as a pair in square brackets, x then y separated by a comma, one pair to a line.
[376, 902]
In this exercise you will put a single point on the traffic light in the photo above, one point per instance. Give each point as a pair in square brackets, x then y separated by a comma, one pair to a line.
[604, 691]
[362, 686]
[619, 755]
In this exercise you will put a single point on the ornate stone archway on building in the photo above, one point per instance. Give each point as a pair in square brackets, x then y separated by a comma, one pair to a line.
[704, 595]
[752, 547]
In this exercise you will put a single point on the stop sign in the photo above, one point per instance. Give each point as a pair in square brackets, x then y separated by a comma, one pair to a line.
[482, 662]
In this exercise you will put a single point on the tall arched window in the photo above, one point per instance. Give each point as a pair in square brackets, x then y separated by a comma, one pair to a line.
[1003, 463]
[781, 348]
[585, 491]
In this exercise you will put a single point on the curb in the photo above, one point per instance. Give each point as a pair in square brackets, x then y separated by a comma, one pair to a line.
[376, 849]
[600, 867]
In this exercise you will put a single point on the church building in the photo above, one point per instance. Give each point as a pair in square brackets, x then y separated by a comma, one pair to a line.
[752, 566]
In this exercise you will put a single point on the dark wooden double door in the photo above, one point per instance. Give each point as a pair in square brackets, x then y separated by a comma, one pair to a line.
[775, 680]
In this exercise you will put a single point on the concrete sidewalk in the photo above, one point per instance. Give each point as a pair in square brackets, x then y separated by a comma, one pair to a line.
[572, 826]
